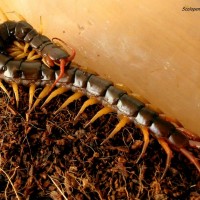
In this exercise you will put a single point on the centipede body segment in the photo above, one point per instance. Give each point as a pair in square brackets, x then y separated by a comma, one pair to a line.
[98, 90]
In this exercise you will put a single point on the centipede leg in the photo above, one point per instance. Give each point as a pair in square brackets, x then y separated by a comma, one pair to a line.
[43, 94]
[17, 50]
[55, 93]
[168, 151]
[19, 45]
[188, 134]
[191, 157]
[103, 111]
[194, 144]
[72, 98]
[21, 56]
[32, 55]
[22, 52]
[14, 52]
[26, 47]
[4, 89]
[87, 103]
[145, 133]
[123, 121]
[16, 92]
[31, 94]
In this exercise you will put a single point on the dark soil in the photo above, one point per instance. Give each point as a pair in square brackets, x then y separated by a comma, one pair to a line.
[49, 152]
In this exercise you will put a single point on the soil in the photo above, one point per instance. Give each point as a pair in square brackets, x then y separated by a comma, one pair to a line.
[50, 157]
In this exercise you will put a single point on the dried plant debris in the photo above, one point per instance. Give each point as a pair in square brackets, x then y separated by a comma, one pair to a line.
[51, 158]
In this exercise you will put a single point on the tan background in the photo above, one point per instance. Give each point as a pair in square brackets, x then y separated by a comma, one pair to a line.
[152, 47]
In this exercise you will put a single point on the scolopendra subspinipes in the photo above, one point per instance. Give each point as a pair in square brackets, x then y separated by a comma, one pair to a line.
[98, 90]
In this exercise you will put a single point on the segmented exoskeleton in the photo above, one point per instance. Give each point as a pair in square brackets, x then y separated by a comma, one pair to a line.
[23, 31]
[98, 90]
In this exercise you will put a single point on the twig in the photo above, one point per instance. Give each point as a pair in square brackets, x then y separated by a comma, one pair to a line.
[11, 182]
[58, 188]
[8, 183]
[125, 187]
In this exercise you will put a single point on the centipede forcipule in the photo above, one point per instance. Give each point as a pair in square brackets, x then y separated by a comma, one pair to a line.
[168, 132]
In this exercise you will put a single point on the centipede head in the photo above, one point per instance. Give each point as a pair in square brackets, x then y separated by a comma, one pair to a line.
[62, 64]
[55, 55]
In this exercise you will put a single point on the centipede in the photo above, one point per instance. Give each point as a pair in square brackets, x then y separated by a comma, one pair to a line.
[50, 67]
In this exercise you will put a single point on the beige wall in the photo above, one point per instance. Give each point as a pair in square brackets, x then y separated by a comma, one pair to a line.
[152, 47]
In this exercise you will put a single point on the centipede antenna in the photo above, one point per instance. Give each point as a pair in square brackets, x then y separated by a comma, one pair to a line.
[4, 89]
[43, 94]
[68, 46]
[145, 133]
[16, 92]
[191, 157]
[55, 93]
[101, 112]
[87, 103]
[72, 98]
[123, 121]
[31, 94]
[168, 151]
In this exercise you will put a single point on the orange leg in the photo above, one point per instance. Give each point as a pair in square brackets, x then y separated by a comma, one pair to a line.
[145, 133]
[193, 159]
[168, 151]
[123, 121]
